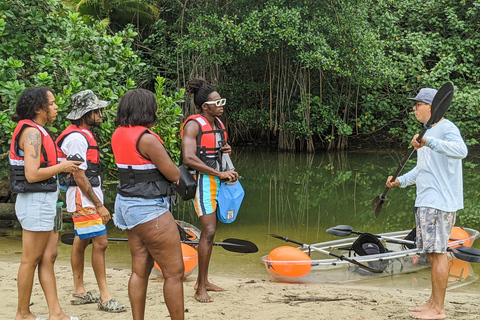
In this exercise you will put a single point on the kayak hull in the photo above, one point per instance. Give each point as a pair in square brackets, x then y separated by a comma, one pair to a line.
[324, 268]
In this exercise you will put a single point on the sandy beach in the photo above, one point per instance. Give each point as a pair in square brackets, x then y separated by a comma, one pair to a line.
[246, 298]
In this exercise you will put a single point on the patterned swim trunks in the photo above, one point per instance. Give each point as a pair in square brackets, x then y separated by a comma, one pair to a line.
[88, 223]
[433, 229]
[205, 201]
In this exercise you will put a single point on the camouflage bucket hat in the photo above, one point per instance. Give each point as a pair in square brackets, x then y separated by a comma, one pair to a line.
[83, 102]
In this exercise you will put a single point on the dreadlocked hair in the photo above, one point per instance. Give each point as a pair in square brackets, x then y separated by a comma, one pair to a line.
[200, 89]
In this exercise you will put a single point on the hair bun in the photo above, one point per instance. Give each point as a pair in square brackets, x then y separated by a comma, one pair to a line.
[193, 85]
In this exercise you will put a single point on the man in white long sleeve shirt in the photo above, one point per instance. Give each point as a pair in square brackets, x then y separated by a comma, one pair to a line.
[439, 181]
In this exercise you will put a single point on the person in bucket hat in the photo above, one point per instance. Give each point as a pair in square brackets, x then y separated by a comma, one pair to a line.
[83, 102]
[84, 198]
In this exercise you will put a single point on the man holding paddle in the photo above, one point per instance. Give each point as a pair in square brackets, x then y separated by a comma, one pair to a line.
[439, 182]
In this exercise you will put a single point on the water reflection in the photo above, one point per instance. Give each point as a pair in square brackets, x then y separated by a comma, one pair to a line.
[299, 196]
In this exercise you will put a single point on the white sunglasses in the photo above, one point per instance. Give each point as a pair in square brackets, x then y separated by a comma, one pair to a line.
[218, 103]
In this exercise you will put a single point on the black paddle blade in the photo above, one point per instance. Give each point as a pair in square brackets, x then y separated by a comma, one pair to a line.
[440, 103]
[468, 254]
[67, 238]
[340, 231]
[238, 245]
[377, 205]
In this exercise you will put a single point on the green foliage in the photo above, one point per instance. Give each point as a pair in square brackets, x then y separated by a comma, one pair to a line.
[55, 47]
[301, 71]
[169, 116]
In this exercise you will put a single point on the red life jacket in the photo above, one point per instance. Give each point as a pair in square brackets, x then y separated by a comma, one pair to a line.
[207, 149]
[93, 157]
[48, 157]
[139, 177]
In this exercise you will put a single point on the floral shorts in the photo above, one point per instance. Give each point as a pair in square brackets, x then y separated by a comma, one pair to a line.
[433, 229]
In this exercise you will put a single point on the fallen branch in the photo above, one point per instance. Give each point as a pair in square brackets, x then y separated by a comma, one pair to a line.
[295, 298]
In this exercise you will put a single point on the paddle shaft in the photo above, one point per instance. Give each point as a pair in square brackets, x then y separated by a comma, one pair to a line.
[402, 165]
[341, 257]
[242, 246]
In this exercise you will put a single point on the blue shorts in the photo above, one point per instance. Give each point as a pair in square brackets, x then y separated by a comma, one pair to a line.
[132, 211]
[36, 210]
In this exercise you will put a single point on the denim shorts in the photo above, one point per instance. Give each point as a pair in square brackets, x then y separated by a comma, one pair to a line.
[36, 210]
[132, 211]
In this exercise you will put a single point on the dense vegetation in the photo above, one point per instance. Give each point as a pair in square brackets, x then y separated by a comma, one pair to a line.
[298, 74]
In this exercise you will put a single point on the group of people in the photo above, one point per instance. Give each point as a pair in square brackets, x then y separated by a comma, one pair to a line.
[144, 194]
[142, 205]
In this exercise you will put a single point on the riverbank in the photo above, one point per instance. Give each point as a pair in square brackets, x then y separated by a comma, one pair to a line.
[246, 298]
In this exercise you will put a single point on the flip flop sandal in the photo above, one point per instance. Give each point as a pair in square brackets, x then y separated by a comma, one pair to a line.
[88, 298]
[40, 318]
[111, 305]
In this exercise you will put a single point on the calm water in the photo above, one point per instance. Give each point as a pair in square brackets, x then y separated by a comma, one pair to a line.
[298, 196]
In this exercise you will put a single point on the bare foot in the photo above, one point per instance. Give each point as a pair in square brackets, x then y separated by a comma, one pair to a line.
[423, 307]
[30, 316]
[210, 287]
[429, 314]
[63, 316]
[203, 297]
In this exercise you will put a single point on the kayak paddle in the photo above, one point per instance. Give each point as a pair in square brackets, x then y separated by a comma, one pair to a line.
[230, 244]
[341, 257]
[440, 104]
[468, 254]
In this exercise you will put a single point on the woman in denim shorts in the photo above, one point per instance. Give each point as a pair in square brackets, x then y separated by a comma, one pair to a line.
[146, 173]
[33, 166]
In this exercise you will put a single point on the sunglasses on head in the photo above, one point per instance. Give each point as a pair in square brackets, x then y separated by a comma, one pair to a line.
[218, 103]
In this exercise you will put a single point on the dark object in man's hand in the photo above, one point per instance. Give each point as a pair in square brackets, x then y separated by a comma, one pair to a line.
[75, 157]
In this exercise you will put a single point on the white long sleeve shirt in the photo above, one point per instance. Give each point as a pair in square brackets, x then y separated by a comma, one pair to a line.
[438, 173]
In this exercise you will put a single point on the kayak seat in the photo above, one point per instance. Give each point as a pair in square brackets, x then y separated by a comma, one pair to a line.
[367, 244]
[412, 236]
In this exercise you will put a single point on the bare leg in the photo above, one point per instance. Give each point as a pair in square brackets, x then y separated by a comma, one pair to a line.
[100, 244]
[205, 246]
[156, 240]
[38, 248]
[46, 275]
[434, 308]
[33, 247]
[77, 261]
[142, 264]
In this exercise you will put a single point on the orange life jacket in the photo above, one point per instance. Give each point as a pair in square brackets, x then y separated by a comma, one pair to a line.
[207, 149]
[139, 177]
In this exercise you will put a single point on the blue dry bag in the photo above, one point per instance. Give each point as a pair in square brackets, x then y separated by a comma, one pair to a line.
[229, 199]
